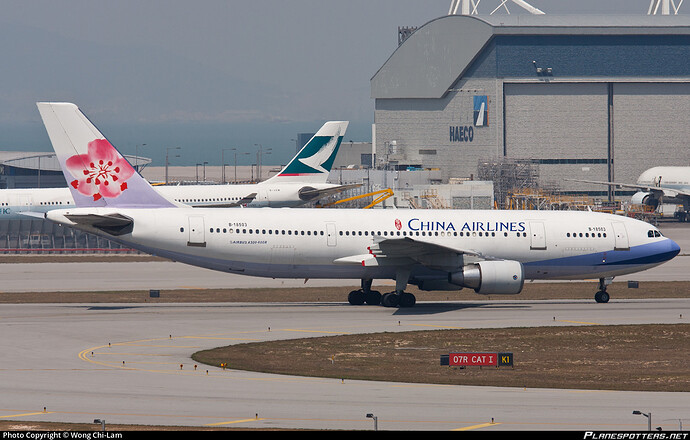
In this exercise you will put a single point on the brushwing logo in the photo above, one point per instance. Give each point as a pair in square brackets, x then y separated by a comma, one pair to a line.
[321, 151]
[481, 111]
[324, 153]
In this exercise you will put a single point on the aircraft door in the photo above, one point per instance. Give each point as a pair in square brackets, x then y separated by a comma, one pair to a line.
[537, 236]
[620, 235]
[331, 234]
[197, 232]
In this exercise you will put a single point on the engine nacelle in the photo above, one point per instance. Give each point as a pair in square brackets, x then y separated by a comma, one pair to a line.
[491, 277]
[307, 193]
[644, 198]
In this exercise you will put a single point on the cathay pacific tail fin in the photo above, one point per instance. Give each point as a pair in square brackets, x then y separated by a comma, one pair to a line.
[97, 174]
[314, 161]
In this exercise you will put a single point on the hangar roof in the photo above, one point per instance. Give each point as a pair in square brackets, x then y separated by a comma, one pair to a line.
[427, 63]
[46, 161]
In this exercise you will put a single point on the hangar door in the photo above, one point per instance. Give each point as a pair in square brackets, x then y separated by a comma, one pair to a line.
[555, 123]
[651, 123]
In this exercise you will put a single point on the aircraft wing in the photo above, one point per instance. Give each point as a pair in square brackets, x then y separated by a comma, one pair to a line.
[309, 193]
[400, 251]
[243, 201]
[665, 191]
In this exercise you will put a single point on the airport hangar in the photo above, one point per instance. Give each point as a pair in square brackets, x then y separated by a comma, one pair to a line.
[583, 97]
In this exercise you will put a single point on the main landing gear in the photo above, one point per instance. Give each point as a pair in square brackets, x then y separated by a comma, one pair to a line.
[602, 296]
[398, 298]
[365, 295]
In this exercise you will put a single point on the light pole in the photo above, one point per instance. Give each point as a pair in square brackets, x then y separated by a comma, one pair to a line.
[136, 164]
[259, 157]
[205, 163]
[102, 422]
[222, 160]
[649, 418]
[167, 151]
[376, 421]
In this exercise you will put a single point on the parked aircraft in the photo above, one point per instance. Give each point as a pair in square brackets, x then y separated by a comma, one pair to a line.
[492, 252]
[656, 185]
[301, 181]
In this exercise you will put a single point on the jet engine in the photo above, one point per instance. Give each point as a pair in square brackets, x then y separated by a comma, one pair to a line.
[644, 198]
[307, 193]
[491, 277]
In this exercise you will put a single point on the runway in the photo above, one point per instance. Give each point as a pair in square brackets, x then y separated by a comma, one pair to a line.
[130, 363]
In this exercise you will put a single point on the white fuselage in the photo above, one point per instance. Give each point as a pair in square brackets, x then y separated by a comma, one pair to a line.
[41, 200]
[668, 177]
[305, 243]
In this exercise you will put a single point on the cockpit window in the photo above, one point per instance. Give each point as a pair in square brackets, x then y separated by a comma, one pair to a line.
[653, 233]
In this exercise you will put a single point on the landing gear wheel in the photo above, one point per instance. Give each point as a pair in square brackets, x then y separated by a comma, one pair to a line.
[390, 299]
[372, 298]
[601, 296]
[407, 299]
[356, 298]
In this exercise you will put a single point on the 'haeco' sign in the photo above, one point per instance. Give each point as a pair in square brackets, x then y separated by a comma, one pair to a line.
[478, 359]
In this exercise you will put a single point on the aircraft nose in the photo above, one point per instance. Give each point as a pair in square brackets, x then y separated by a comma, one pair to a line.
[670, 250]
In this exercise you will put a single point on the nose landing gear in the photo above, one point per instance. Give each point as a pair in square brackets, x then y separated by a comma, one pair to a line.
[602, 296]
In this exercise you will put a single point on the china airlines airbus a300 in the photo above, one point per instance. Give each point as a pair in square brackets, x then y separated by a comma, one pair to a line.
[492, 252]
[301, 181]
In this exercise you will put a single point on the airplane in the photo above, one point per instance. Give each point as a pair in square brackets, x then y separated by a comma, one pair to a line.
[655, 184]
[301, 181]
[491, 252]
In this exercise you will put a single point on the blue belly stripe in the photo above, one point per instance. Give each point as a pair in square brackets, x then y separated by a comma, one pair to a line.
[652, 253]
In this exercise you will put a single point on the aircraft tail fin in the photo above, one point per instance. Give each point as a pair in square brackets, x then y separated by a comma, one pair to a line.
[314, 161]
[97, 174]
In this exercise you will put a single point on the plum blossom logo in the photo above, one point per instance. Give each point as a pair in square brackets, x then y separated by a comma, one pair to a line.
[101, 172]
[398, 224]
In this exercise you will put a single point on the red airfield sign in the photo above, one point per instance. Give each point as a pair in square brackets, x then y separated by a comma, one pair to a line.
[480, 359]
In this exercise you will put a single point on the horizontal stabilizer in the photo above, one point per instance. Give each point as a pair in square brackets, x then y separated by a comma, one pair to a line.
[309, 193]
[32, 214]
[113, 224]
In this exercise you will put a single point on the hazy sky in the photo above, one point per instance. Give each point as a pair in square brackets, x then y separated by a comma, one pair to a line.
[263, 69]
